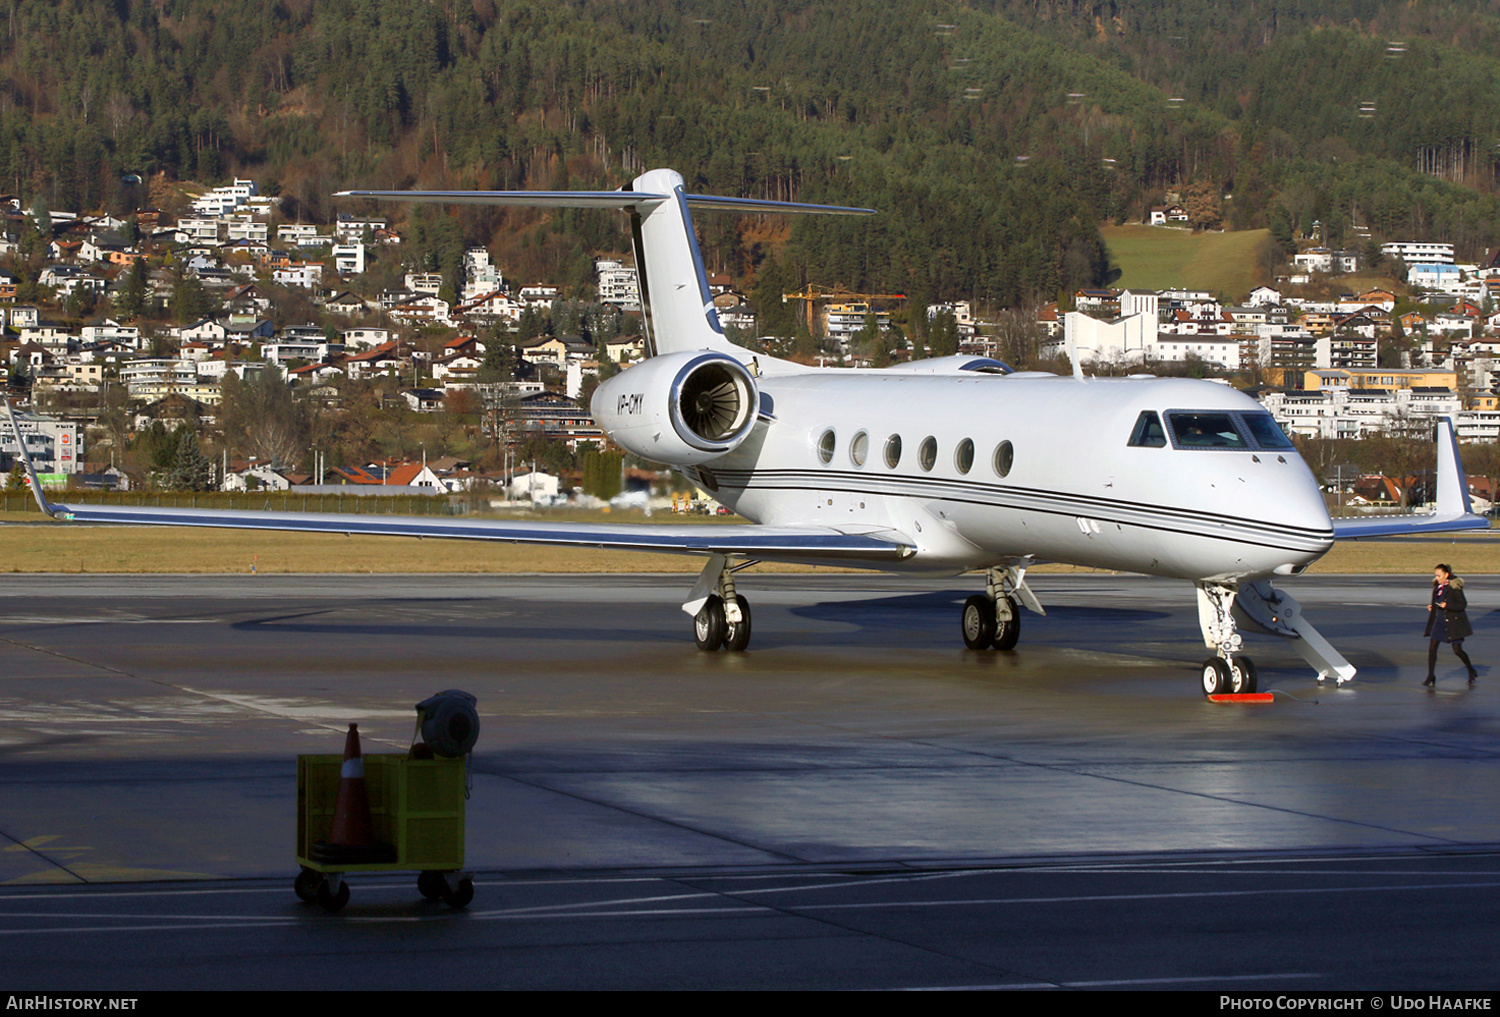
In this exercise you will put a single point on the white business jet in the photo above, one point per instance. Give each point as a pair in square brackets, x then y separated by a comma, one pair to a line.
[938, 466]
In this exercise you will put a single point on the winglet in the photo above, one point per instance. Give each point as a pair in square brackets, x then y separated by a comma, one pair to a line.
[1452, 482]
[36, 487]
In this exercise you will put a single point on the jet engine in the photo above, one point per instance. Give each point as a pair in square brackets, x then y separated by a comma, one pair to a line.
[681, 409]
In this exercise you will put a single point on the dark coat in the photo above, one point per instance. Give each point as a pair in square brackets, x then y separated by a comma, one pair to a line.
[1454, 615]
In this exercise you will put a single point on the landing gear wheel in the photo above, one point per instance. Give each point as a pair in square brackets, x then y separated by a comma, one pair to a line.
[709, 625]
[459, 899]
[430, 885]
[1215, 676]
[737, 634]
[1242, 675]
[1008, 632]
[306, 885]
[979, 622]
[332, 902]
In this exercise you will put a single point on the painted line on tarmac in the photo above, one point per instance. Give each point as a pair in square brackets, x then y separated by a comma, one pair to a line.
[1118, 982]
[1179, 895]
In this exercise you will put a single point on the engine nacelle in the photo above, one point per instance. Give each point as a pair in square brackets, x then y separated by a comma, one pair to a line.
[680, 409]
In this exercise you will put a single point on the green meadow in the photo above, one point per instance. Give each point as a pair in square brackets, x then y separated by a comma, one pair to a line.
[1157, 258]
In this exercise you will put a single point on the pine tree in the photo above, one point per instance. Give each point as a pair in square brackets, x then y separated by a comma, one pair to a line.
[191, 470]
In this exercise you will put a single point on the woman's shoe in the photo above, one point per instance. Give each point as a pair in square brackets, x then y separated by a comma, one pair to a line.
[1431, 680]
[1473, 675]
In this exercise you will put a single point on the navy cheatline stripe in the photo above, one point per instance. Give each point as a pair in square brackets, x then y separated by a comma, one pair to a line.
[1007, 497]
[1255, 534]
[991, 487]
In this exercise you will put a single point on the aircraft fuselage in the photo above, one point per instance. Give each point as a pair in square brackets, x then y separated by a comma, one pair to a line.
[924, 455]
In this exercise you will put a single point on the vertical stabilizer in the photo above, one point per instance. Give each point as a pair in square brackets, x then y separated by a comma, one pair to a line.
[674, 284]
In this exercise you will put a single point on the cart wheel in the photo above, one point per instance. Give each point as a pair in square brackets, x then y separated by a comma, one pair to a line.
[459, 899]
[333, 903]
[306, 885]
[430, 885]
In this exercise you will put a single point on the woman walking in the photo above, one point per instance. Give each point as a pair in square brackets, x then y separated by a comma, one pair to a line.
[1447, 621]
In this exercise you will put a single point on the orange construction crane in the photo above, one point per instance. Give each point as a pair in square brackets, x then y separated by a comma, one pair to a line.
[813, 293]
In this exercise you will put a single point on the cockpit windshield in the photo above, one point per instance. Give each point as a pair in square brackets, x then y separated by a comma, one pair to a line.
[1265, 431]
[1226, 429]
[1193, 429]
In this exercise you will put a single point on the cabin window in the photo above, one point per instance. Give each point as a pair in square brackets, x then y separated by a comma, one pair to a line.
[859, 448]
[1205, 429]
[1265, 431]
[927, 453]
[1005, 457]
[963, 456]
[893, 451]
[1148, 432]
[825, 446]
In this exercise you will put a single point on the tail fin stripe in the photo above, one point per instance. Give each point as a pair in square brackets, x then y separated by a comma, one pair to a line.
[710, 312]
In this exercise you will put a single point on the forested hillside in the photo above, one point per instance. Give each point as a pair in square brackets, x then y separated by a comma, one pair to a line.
[996, 136]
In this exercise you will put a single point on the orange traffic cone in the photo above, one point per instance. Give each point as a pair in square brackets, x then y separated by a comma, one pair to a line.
[352, 826]
[351, 839]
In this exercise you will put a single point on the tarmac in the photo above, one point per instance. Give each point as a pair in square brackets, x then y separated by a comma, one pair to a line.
[856, 802]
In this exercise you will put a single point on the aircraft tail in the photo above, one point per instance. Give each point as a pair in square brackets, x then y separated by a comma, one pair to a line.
[676, 302]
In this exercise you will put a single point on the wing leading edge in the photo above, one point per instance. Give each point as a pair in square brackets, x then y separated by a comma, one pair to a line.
[767, 542]
[1454, 511]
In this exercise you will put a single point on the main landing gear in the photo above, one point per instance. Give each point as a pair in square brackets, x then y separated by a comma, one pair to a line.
[993, 618]
[720, 618]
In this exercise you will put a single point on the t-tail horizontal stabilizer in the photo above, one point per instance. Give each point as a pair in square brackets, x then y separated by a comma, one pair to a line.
[678, 315]
[1453, 512]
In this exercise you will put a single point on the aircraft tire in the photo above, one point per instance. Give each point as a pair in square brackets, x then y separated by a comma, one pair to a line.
[709, 625]
[1215, 676]
[979, 622]
[737, 636]
[1008, 633]
[1243, 676]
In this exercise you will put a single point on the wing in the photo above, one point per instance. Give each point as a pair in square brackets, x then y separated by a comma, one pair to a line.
[1454, 510]
[775, 543]
[813, 544]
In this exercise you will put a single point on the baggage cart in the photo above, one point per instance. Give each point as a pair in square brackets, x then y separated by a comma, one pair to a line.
[417, 808]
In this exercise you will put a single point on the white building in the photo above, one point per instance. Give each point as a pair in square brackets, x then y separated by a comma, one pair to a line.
[308, 275]
[55, 446]
[280, 353]
[197, 231]
[1094, 340]
[1344, 412]
[349, 259]
[428, 283]
[112, 331]
[366, 338]
[1438, 254]
[481, 276]
[618, 285]
[242, 227]
[349, 228]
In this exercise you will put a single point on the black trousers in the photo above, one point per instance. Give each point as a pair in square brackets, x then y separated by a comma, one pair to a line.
[1458, 648]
